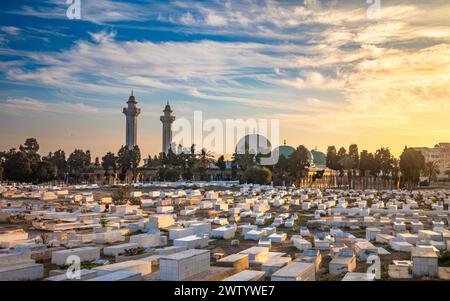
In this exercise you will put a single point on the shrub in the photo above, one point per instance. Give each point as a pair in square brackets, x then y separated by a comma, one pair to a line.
[258, 175]
[135, 202]
[121, 196]
[444, 260]
[104, 222]
[134, 251]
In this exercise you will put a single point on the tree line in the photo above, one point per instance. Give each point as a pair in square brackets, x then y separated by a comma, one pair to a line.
[380, 167]
[26, 165]
[351, 167]
[174, 166]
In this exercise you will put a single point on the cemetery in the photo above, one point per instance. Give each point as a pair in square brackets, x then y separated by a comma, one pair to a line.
[227, 233]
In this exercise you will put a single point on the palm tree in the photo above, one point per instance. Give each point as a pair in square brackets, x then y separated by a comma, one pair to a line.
[205, 158]
[243, 161]
[396, 174]
[412, 165]
[221, 165]
[431, 171]
[347, 164]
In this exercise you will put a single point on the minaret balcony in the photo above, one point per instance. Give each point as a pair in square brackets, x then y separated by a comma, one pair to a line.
[167, 119]
[131, 111]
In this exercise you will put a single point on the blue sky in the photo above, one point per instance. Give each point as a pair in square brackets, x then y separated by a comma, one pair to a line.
[331, 74]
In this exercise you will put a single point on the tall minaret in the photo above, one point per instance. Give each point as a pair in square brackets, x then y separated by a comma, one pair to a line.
[131, 112]
[167, 119]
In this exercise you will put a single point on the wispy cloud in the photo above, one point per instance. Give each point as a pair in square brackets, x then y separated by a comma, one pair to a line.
[204, 65]
[98, 11]
[11, 30]
[29, 105]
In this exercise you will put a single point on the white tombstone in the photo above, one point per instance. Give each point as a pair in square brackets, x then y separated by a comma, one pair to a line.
[85, 254]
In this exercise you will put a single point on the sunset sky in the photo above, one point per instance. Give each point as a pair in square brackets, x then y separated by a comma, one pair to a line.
[328, 72]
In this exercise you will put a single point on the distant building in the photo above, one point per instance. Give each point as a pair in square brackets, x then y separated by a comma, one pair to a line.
[316, 158]
[131, 112]
[285, 150]
[254, 144]
[318, 175]
[440, 154]
[167, 119]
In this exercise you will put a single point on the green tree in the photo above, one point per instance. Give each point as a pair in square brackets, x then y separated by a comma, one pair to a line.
[431, 170]
[383, 163]
[26, 164]
[58, 160]
[181, 164]
[258, 175]
[347, 164]
[128, 160]
[412, 163]
[30, 147]
[77, 164]
[171, 174]
[396, 172]
[122, 195]
[332, 158]
[154, 162]
[384, 160]
[244, 161]
[280, 171]
[135, 156]
[17, 166]
[205, 158]
[341, 154]
[2, 161]
[171, 158]
[332, 162]
[299, 161]
[38, 170]
[109, 164]
[190, 161]
[366, 164]
[354, 154]
[234, 169]
[221, 164]
[44, 172]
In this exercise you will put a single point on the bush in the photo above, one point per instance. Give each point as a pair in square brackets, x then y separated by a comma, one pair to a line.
[135, 251]
[121, 196]
[88, 265]
[170, 174]
[258, 175]
[135, 202]
[444, 260]
[104, 222]
[303, 222]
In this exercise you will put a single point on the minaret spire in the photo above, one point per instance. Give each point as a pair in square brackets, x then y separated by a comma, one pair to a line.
[167, 119]
[131, 112]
